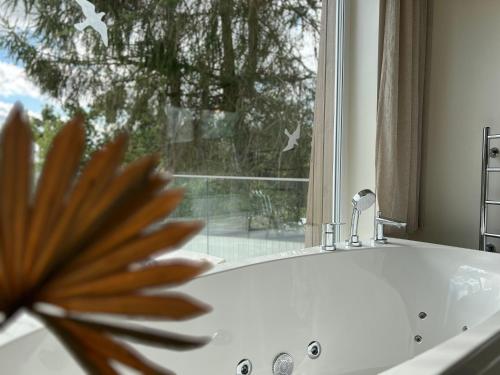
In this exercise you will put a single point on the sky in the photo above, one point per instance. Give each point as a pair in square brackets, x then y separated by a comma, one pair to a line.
[14, 83]
[15, 86]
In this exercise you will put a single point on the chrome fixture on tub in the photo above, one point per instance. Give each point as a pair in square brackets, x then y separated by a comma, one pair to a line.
[328, 236]
[283, 364]
[380, 222]
[244, 367]
[360, 202]
[314, 350]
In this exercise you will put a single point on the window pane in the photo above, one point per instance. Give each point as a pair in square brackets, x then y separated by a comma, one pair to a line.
[218, 88]
[245, 218]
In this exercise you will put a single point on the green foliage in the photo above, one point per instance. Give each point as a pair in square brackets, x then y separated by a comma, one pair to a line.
[46, 126]
[44, 129]
[211, 85]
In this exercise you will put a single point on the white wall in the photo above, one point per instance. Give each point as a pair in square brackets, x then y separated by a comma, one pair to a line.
[360, 109]
[464, 95]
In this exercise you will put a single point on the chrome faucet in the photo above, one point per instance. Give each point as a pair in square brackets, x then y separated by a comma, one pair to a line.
[380, 222]
[360, 202]
[328, 235]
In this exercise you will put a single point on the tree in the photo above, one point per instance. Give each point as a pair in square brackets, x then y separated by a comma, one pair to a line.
[209, 84]
[44, 129]
[48, 125]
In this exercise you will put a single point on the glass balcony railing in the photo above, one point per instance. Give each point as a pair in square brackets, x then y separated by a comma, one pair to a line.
[245, 216]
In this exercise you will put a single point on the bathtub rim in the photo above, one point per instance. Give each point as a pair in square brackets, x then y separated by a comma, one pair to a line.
[317, 251]
[453, 354]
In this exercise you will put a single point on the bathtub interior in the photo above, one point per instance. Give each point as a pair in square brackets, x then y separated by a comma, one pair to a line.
[366, 307]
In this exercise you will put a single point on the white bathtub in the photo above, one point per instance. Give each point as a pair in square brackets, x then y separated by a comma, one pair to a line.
[362, 306]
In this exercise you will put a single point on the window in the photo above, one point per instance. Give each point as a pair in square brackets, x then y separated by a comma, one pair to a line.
[222, 90]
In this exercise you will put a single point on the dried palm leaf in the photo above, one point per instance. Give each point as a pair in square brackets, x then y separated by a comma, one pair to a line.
[76, 243]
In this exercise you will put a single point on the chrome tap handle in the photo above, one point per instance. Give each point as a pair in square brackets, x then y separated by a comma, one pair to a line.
[328, 231]
[380, 222]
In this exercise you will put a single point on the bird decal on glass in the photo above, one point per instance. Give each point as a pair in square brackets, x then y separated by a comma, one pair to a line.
[293, 139]
[93, 19]
[73, 246]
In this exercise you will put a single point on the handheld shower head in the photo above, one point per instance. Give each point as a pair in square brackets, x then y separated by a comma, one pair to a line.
[360, 202]
[363, 200]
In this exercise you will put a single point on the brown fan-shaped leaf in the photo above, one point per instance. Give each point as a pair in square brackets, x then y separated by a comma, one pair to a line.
[155, 184]
[94, 178]
[99, 363]
[169, 273]
[76, 245]
[147, 336]
[108, 348]
[90, 361]
[172, 306]
[15, 190]
[157, 208]
[165, 239]
[60, 168]
[94, 212]
[3, 304]
[3, 286]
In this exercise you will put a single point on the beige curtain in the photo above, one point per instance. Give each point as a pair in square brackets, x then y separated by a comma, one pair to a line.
[319, 198]
[403, 44]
